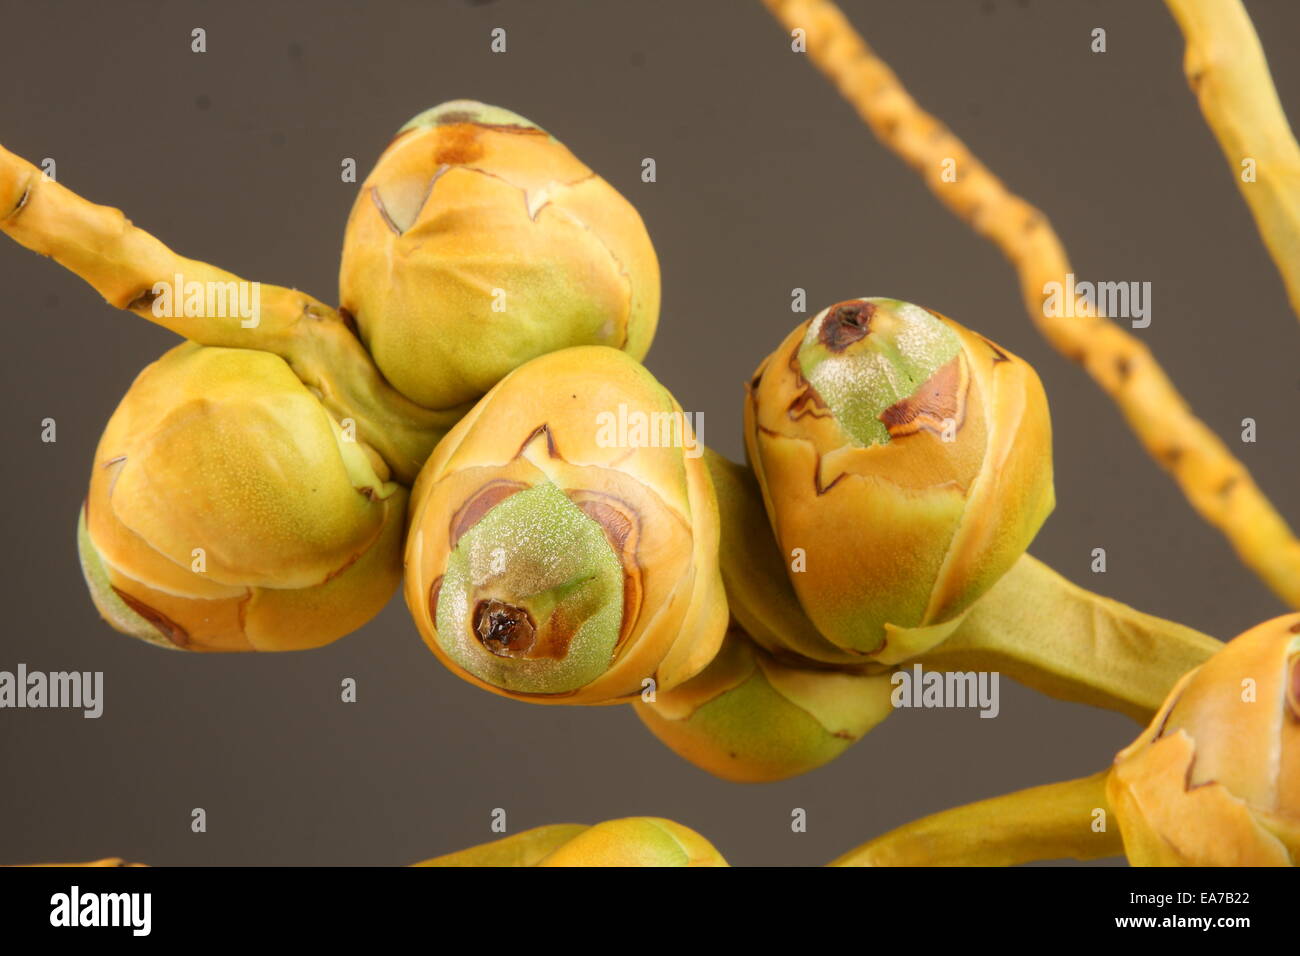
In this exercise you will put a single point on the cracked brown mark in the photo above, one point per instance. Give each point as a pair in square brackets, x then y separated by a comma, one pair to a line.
[144, 300]
[939, 401]
[1295, 628]
[484, 500]
[621, 524]
[458, 144]
[383, 211]
[349, 321]
[461, 117]
[346, 564]
[1172, 455]
[807, 400]
[1123, 368]
[22, 202]
[168, 628]
[504, 629]
[818, 487]
[435, 589]
[1223, 489]
[241, 613]
[419, 208]
[1164, 720]
[998, 354]
[846, 323]
[454, 116]
[551, 448]
[1188, 786]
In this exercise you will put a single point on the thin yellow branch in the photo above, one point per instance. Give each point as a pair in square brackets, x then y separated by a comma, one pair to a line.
[1227, 71]
[125, 264]
[1218, 486]
[1051, 822]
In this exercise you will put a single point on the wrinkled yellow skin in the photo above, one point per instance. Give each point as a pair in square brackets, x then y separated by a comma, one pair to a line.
[1215, 779]
[226, 452]
[540, 424]
[468, 200]
[901, 538]
[632, 841]
[751, 718]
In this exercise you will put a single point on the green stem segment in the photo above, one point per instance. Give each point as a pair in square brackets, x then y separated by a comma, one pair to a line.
[1033, 625]
[1070, 820]
[125, 264]
[1041, 630]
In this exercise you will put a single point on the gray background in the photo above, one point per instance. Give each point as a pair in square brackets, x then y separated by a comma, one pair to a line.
[766, 181]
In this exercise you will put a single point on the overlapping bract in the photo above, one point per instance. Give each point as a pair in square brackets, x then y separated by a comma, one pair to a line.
[753, 718]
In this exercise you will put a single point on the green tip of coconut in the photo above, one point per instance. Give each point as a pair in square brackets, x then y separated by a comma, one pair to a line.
[468, 111]
[532, 597]
[864, 356]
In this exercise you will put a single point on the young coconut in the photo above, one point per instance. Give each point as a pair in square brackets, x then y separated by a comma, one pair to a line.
[552, 560]
[909, 462]
[478, 242]
[228, 511]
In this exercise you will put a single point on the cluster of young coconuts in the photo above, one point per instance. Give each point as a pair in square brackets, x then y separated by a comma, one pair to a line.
[269, 487]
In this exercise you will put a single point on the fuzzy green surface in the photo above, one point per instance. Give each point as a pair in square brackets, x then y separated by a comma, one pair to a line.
[536, 550]
[467, 111]
[905, 347]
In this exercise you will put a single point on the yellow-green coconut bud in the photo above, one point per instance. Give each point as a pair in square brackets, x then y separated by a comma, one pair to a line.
[752, 718]
[1215, 779]
[228, 511]
[632, 841]
[905, 464]
[479, 242]
[555, 558]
